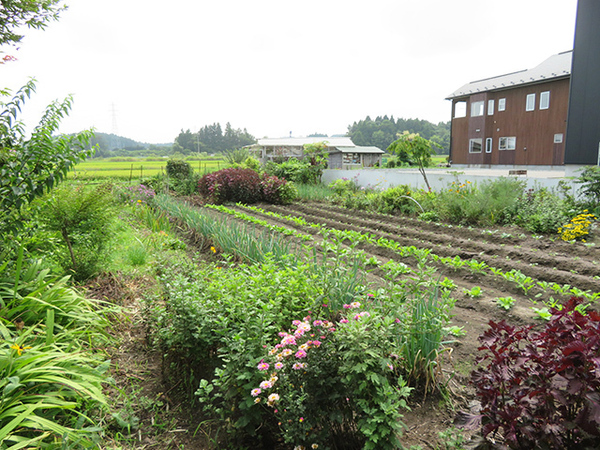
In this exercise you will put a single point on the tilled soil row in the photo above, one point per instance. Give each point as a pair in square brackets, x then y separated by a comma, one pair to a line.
[503, 236]
[464, 279]
[575, 271]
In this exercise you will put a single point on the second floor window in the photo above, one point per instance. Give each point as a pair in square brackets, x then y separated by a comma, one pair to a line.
[530, 105]
[476, 109]
[545, 100]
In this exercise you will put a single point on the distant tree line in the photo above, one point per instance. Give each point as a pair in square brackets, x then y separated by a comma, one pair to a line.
[382, 131]
[212, 139]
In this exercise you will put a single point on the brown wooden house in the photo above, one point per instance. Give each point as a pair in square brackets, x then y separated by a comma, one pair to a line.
[516, 119]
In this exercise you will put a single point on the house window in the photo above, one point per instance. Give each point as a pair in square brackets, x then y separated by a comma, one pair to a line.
[490, 107]
[460, 109]
[476, 109]
[488, 145]
[545, 100]
[351, 158]
[530, 105]
[475, 145]
[501, 104]
[507, 143]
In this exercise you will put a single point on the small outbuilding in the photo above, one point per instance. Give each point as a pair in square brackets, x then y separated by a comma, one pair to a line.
[343, 154]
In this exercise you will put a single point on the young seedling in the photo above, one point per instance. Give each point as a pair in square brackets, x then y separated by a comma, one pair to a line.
[455, 330]
[505, 302]
[474, 292]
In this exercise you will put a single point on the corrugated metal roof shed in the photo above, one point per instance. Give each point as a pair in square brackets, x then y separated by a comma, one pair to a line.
[331, 142]
[358, 149]
[557, 66]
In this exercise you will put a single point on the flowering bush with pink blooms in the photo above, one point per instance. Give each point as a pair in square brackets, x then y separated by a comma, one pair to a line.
[329, 382]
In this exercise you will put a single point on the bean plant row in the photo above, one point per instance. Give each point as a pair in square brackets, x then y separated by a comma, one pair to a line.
[522, 281]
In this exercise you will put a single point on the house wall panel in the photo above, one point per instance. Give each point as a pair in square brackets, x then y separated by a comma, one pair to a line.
[534, 130]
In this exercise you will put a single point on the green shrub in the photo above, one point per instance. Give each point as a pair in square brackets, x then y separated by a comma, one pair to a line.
[590, 188]
[179, 169]
[542, 211]
[343, 186]
[396, 199]
[82, 218]
[298, 171]
[327, 383]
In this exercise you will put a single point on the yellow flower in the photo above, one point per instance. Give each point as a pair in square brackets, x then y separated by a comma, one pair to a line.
[212, 249]
[19, 348]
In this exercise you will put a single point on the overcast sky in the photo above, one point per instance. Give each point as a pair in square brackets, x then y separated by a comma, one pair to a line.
[145, 69]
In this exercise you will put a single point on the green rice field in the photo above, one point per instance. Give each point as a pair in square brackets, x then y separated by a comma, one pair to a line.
[134, 169]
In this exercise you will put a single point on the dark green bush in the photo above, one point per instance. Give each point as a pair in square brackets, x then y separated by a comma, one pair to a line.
[82, 219]
[179, 169]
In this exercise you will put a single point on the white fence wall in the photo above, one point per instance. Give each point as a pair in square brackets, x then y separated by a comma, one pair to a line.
[441, 178]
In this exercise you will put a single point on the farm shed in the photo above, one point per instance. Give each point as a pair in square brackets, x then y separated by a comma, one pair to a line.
[343, 154]
[356, 156]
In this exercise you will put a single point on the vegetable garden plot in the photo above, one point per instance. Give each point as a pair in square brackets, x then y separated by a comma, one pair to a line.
[493, 274]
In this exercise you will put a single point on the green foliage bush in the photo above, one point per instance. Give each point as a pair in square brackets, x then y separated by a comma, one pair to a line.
[30, 167]
[331, 382]
[491, 202]
[296, 170]
[177, 168]
[396, 199]
[542, 211]
[590, 188]
[82, 219]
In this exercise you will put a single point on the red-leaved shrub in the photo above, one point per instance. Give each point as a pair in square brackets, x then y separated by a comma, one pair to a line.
[541, 389]
[231, 185]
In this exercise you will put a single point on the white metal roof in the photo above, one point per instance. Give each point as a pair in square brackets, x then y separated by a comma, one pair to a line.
[331, 142]
[557, 66]
[358, 149]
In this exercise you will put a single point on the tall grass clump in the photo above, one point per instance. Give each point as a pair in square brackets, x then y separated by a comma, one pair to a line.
[490, 202]
[50, 373]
